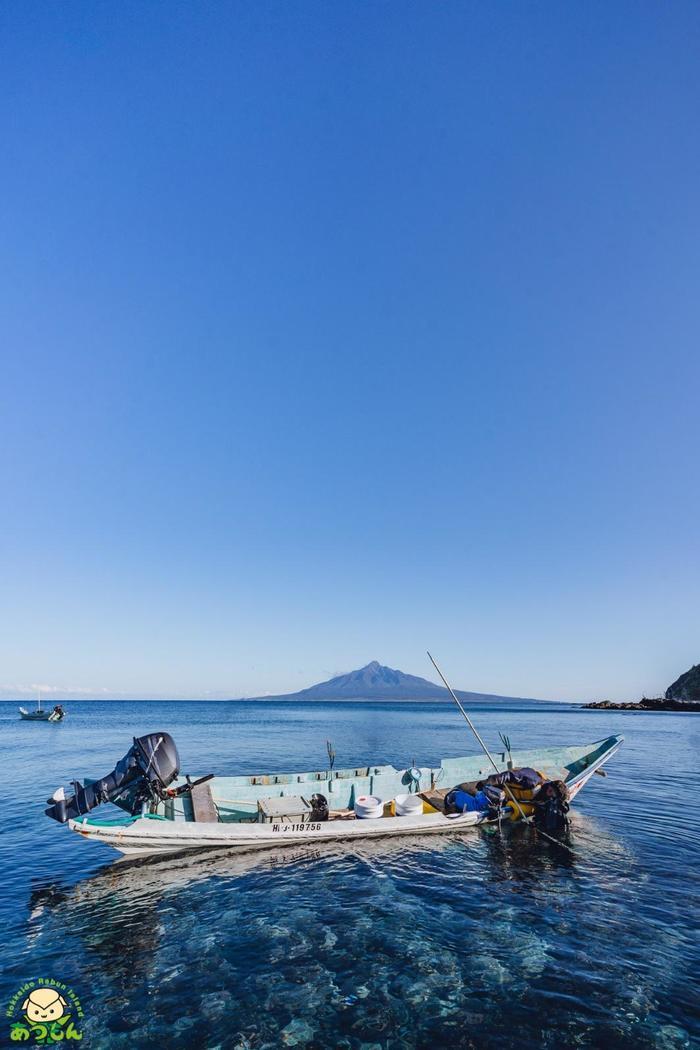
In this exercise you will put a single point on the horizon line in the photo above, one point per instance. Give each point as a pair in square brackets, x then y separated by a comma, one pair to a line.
[288, 698]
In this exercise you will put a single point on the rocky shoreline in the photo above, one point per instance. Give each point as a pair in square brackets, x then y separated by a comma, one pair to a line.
[658, 703]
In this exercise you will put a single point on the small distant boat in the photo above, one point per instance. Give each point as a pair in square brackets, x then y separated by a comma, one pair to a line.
[167, 813]
[57, 714]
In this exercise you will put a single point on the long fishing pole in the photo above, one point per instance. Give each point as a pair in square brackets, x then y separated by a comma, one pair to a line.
[491, 758]
[476, 734]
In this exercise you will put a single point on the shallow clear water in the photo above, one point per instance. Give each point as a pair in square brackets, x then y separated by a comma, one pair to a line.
[477, 940]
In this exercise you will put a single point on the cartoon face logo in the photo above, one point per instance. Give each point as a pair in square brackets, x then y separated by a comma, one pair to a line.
[44, 1013]
[44, 1005]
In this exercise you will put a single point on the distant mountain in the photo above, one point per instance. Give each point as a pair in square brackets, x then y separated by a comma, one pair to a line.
[687, 687]
[376, 682]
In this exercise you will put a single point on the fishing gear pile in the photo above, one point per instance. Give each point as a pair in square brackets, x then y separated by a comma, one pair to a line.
[523, 792]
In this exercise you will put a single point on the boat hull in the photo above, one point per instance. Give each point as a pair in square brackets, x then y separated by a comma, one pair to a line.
[157, 834]
[144, 835]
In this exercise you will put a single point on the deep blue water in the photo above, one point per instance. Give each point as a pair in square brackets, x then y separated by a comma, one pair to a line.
[477, 940]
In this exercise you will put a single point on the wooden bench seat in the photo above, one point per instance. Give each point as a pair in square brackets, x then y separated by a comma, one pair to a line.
[204, 810]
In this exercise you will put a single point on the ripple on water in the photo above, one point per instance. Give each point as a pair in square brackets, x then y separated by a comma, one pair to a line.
[485, 940]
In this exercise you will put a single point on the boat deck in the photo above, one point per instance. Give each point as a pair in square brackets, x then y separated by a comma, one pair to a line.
[236, 798]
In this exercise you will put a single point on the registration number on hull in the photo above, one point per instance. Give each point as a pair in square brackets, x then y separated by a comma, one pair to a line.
[295, 827]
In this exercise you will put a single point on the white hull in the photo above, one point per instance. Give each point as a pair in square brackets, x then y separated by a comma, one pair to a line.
[149, 835]
[40, 716]
[144, 835]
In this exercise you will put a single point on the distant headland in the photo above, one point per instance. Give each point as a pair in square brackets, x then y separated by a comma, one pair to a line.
[682, 695]
[377, 682]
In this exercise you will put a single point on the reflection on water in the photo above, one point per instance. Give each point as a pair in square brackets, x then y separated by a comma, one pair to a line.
[484, 939]
[400, 940]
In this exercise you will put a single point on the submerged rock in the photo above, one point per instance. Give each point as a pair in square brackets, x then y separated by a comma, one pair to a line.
[297, 1032]
[671, 1037]
[216, 1005]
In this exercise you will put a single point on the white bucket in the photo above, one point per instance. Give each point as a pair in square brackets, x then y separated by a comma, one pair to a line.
[408, 805]
[368, 807]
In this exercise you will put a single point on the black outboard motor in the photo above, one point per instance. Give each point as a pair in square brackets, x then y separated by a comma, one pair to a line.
[143, 775]
[319, 808]
[552, 807]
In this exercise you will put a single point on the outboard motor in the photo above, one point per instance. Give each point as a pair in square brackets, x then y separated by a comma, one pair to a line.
[143, 774]
[319, 808]
[552, 807]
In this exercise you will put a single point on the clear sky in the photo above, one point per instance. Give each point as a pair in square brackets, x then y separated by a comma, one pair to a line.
[331, 332]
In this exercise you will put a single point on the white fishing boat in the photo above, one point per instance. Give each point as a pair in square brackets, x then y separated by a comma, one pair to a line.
[168, 813]
[40, 714]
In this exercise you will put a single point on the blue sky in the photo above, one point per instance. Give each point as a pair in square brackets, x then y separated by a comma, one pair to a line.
[331, 332]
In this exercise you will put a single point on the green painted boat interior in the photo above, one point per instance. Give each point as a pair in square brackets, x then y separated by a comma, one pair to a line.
[101, 822]
[117, 822]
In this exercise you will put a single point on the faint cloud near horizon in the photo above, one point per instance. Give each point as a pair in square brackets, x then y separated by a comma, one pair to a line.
[44, 689]
[34, 690]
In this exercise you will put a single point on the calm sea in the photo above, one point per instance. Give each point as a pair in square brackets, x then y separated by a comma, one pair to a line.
[478, 940]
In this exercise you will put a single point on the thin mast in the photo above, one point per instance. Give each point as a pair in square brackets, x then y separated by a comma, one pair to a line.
[474, 731]
[486, 751]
